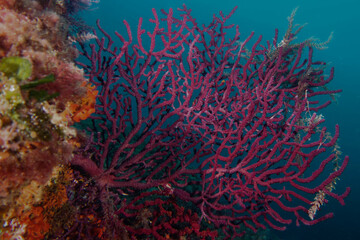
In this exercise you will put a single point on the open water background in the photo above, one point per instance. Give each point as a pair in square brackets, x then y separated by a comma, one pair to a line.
[263, 16]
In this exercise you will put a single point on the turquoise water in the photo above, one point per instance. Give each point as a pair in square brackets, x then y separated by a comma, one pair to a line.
[263, 17]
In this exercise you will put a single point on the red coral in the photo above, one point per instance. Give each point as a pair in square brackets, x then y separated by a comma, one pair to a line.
[159, 215]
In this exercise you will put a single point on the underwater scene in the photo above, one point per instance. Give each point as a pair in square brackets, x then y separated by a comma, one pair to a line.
[184, 120]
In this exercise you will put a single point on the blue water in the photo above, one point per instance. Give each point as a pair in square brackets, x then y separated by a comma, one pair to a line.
[263, 16]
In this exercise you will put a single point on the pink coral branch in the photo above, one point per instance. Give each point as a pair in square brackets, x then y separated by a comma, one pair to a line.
[213, 116]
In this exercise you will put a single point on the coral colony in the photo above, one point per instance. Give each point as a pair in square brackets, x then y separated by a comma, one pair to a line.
[174, 132]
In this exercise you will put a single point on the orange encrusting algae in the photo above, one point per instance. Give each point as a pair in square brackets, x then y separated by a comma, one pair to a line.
[86, 106]
[31, 216]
